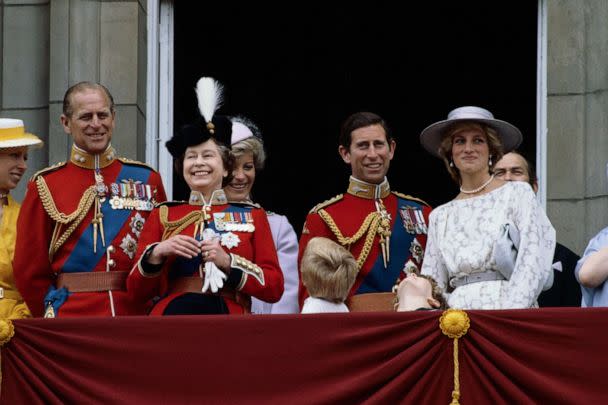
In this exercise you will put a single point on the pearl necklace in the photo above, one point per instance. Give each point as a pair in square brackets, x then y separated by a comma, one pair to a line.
[478, 189]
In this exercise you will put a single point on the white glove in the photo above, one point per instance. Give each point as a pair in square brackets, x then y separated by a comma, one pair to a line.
[214, 277]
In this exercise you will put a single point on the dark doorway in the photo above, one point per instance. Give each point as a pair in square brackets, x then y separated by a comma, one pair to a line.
[298, 70]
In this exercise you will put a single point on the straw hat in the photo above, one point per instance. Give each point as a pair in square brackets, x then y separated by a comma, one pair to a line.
[509, 135]
[13, 135]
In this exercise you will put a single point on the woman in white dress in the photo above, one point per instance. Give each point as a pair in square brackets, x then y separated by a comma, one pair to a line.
[492, 246]
[248, 150]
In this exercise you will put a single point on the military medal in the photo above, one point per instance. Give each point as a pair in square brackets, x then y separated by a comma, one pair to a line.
[131, 195]
[137, 224]
[410, 267]
[129, 245]
[417, 251]
[230, 240]
[238, 222]
[413, 220]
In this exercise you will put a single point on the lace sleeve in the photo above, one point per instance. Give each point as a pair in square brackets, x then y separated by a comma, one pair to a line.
[433, 264]
[537, 244]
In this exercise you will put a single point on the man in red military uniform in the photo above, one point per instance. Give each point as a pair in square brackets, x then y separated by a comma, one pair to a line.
[383, 229]
[80, 221]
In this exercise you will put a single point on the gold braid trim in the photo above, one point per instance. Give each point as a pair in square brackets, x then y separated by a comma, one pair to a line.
[175, 227]
[7, 331]
[49, 205]
[74, 219]
[369, 226]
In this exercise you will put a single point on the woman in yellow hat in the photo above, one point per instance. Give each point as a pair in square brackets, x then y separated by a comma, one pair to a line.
[14, 143]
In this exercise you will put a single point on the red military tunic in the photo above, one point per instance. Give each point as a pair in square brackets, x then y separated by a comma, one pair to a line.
[363, 218]
[56, 234]
[244, 233]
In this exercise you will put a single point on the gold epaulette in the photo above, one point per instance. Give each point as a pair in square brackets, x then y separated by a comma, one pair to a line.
[47, 170]
[324, 204]
[409, 197]
[247, 203]
[135, 162]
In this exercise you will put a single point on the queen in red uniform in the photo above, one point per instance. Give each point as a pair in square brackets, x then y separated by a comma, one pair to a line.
[206, 256]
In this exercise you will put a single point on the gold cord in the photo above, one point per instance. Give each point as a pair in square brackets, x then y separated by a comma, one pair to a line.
[370, 225]
[175, 227]
[74, 219]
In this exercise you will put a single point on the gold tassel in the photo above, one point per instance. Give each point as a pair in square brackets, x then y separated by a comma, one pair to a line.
[455, 323]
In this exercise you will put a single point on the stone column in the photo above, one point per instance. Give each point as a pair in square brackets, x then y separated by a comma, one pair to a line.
[100, 41]
[577, 142]
[24, 57]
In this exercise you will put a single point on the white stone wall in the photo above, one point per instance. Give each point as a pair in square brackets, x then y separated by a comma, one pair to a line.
[577, 73]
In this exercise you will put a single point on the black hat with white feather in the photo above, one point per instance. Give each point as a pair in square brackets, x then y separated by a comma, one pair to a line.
[209, 93]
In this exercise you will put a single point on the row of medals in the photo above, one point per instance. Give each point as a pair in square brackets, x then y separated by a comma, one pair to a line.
[128, 195]
[232, 221]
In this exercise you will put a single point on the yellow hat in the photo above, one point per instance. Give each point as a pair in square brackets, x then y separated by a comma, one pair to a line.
[13, 135]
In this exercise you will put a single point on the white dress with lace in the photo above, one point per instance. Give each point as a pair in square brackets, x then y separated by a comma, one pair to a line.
[461, 241]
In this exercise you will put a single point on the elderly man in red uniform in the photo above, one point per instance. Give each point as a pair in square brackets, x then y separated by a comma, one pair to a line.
[80, 221]
[383, 229]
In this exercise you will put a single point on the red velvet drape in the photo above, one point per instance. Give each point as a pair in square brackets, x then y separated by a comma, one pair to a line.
[547, 356]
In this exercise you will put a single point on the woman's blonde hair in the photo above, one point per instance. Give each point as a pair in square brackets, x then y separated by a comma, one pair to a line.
[328, 270]
[445, 149]
[251, 145]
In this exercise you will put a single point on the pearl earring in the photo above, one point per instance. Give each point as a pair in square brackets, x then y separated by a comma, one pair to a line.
[451, 164]
[490, 162]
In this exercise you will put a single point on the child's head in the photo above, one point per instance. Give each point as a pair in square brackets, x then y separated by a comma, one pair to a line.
[421, 286]
[328, 270]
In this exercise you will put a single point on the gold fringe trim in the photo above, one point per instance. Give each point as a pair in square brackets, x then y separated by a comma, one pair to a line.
[7, 331]
[455, 323]
[369, 226]
[74, 219]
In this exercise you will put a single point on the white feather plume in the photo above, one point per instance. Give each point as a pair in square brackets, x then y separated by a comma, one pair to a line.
[209, 93]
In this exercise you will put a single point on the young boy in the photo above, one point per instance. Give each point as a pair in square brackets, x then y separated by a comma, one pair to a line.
[418, 293]
[328, 273]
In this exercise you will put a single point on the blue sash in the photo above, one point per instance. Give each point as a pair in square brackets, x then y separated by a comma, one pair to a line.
[381, 279]
[82, 257]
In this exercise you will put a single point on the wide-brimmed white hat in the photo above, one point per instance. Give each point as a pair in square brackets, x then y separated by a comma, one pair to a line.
[13, 135]
[509, 135]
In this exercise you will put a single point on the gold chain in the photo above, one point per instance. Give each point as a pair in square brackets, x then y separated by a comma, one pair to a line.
[370, 225]
[175, 227]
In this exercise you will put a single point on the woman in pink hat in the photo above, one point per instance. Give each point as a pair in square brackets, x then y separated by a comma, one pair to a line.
[492, 246]
[14, 143]
[248, 150]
